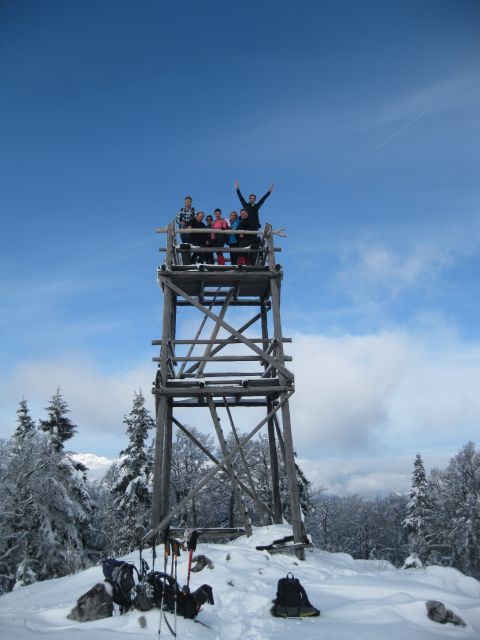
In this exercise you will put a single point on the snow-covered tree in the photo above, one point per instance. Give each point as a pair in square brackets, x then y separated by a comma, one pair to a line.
[104, 522]
[25, 425]
[132, 490]
[44, 513]
[58, 426]
[459, 505]
[189, 465]
[418, 511]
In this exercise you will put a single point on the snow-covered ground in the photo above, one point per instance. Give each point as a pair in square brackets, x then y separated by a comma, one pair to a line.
[359, 600]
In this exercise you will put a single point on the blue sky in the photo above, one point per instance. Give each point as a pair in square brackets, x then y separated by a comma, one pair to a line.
[364, 115]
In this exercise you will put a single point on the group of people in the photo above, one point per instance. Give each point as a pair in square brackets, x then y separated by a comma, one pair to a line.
[247, 219]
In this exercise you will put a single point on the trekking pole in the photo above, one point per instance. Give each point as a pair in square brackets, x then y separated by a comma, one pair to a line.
[165, 561]
[175, 554]
[191, 545]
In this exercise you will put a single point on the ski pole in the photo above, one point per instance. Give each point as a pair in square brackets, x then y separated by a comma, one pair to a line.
[175, 554]
[165, 561]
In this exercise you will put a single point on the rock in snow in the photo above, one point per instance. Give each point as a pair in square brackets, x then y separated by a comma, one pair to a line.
[96, 604]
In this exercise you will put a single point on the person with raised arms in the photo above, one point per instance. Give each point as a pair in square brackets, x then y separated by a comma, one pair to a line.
[252, 206]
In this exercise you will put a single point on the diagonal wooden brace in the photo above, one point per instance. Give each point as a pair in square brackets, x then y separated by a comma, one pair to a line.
[270, 359]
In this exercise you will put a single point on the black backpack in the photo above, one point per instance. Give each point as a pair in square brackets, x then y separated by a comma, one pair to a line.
[166, 589]
[121, 576]
[292, 600]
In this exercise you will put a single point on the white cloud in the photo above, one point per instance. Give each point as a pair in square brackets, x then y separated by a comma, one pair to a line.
[375, 270]
[97, 400]
[343, 388]
[367, 475]
[384, 392]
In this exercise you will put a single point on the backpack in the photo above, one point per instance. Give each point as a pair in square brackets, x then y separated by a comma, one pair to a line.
[121, 576]
[166, 589]
[143, 599]
[292, 600]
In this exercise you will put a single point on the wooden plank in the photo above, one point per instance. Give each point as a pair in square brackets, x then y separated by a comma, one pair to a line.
[227, 232]
[238, 303]
[213, 374]
[231, 358]
[193, 382]
[198, 403]
[222, 341]
[239, 390]
[195, 248]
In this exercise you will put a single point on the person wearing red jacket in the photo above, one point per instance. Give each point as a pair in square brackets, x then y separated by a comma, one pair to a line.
[218, 239]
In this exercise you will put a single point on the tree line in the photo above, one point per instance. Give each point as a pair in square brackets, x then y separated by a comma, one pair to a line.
[55, 521]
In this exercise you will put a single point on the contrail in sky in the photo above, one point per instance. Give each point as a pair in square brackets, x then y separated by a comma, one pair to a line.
[386, 141]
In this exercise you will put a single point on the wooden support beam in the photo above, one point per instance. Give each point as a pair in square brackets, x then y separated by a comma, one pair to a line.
[204, 482]
[227, 232]
[218, 303]
[241, 506]
[274, 471]
[194, 341]
[242, 455]
[206, 354]
[159, 498]
[278, 365]
[225, 374]
[240, 390]
[231, 358]
[199, 402]
[295, 508]
[222, 341]
[227, 249]
[266, 509]
[229, 340]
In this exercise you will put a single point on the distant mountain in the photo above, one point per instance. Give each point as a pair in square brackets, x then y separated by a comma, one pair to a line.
[97, 465]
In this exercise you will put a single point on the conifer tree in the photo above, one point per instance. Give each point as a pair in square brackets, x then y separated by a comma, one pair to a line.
[25, 424]
[418, 509]
[58, 426]
[132, 491]
[44, 513]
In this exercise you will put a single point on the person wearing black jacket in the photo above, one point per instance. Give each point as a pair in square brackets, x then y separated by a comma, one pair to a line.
[197, 239]
[252, 206]
[245, 240]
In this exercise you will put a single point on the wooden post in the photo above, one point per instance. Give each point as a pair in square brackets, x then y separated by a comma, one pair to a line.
[276, 499]
[295, 508]
[163, 424]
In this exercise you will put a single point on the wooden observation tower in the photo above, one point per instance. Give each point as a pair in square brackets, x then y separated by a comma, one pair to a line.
[207, 374]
